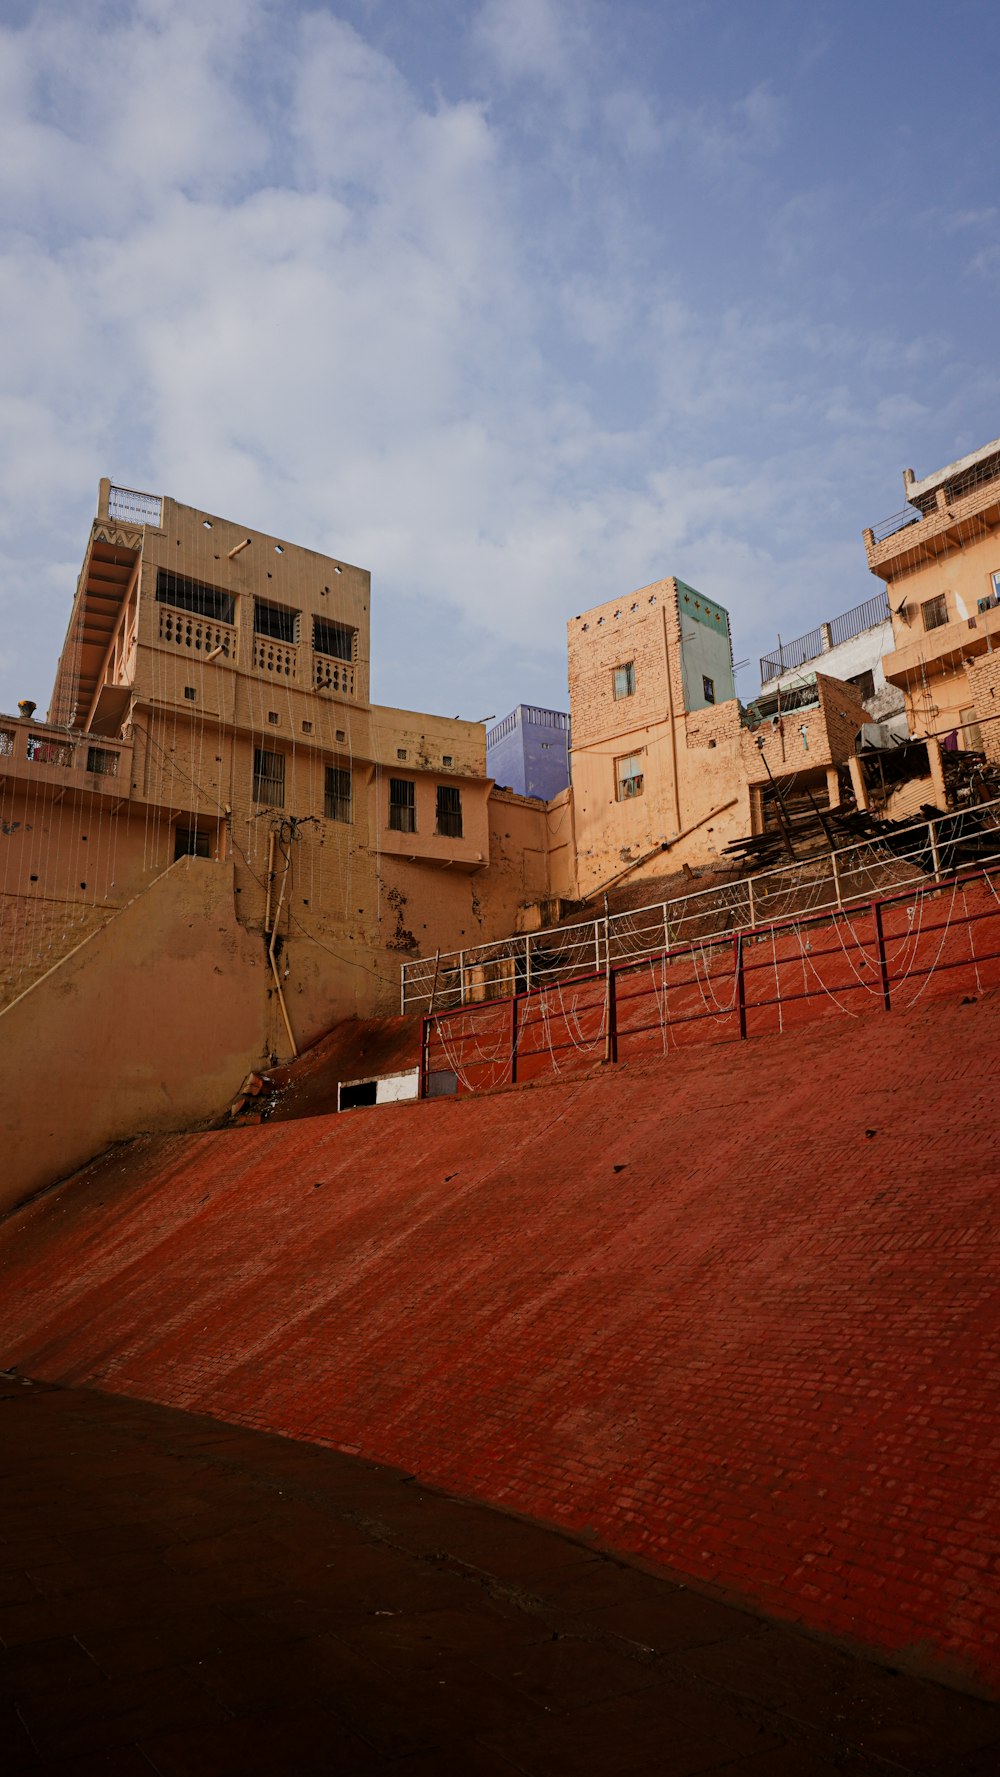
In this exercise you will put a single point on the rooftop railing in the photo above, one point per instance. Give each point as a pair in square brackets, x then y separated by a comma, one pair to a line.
[133, 507]
[816, 642]
[898, 521]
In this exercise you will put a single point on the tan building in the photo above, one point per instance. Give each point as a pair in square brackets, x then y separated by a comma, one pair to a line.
[217, 840]
[940, 560]
[664, 760]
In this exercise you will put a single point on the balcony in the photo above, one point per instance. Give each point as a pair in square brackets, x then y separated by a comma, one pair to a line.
[944, 648]
[910, 538]
[42, 756]
[196, 635]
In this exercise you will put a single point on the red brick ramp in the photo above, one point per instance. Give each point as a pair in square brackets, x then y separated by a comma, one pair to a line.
[733, 1312]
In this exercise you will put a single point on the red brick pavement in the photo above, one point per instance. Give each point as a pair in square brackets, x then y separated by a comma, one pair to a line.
[733, 1311]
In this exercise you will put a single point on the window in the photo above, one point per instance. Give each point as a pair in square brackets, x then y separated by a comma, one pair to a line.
[628, 777]
[624, 680]
[446, 758]
[269, 777]
[273, 717]
[276, 621]
[864, 684]
[192, 595]
[102, 761]
[189, 843]
[337, 800]
[402, 812]
[935, 611]
[995, 580]
[190, 693]
[333, 638]
[708, 688]
[400, 752]
[449, 811]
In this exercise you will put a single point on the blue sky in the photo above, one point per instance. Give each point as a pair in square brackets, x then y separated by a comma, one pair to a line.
[520, 304]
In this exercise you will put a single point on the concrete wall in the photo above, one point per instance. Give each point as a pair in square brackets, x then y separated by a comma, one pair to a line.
[150, 1024]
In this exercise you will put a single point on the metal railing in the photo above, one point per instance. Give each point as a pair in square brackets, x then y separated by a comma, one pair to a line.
[924, 851]
[860, 960]
[867, 615]
[133, 507]
[791, 654]
[818, 642]
[898, 521]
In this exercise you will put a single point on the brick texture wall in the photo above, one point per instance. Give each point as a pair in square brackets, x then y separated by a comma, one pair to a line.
[984, 694]
[735, 1316]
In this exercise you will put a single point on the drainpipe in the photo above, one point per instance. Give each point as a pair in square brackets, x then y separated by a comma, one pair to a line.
[273, 959]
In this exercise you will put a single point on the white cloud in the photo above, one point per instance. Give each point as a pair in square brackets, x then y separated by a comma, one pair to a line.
[257, 267]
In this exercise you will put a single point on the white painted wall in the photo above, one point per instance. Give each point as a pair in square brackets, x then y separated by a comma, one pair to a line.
[862, 653]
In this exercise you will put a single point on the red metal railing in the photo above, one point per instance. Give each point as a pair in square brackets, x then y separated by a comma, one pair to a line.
[772, 978]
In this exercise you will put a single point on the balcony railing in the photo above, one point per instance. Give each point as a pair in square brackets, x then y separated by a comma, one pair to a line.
[198, 635]
[278, 658]
[333, 675]
[133, 507]
[29, 746]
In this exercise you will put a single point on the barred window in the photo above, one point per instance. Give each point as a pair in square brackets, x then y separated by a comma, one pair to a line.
[269, 777]
[337, 800]
[624, 680]
[278, 622]
[194, 596]
[449, 811]
[402, 806]
[335, 639]
[935, 611]
[628, 777]
[102, 761]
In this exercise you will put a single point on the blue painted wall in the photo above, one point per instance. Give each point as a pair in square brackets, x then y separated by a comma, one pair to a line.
[529, 751]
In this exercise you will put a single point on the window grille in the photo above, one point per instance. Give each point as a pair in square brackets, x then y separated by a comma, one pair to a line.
[402, 808]
[102, 761]
[335, 639]
[449, 811]
[269, 777]
[624, 680]
[337, 799]
[935, 611]
[194, 596]
[628, 777]
[278, 622]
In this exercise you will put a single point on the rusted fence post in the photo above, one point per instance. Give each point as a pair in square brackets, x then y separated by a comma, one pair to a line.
[513, 1040]
[741, 984]
[883, 966]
